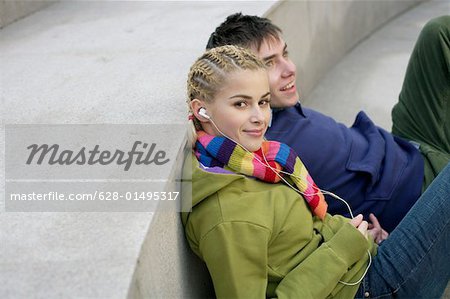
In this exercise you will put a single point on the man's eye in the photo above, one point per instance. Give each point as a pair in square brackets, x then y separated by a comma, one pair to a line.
[269, 63]
[286, 54]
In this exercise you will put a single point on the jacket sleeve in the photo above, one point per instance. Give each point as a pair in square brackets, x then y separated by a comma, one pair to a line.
[236, 256]
[321, 271]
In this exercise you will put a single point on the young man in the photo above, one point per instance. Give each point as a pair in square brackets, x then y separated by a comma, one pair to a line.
[373, 170]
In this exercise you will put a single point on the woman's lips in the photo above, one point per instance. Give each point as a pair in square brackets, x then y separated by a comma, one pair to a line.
[255, 133]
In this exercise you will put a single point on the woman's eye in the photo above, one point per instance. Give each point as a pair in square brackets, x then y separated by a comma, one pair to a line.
[264, 102]
[286, 54]
[240, 104]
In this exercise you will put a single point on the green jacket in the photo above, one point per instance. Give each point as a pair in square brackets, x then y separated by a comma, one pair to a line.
[259, 239]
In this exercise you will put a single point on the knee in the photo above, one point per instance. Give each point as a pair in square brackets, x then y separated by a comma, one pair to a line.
[446, 171]
[437, 27]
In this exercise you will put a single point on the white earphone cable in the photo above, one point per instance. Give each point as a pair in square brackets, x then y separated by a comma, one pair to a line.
[277, 172]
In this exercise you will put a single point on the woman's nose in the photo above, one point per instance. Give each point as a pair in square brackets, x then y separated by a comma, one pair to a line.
[257, 115]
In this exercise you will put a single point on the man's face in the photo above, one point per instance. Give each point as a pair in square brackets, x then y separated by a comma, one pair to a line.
[281, 72]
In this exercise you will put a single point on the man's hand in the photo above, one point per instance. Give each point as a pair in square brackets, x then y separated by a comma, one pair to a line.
[360, 224]
[376, 231]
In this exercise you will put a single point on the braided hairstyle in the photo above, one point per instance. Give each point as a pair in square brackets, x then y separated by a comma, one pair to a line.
[209, 72]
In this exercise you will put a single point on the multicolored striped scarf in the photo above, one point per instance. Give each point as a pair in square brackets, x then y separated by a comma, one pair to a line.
[219, 151]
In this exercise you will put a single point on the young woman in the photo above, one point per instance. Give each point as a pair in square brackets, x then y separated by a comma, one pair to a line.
[259, 222]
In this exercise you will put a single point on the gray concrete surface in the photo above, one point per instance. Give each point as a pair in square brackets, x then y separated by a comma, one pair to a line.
[320, 33]
[11, 11]
[124, 62]
[370, 77]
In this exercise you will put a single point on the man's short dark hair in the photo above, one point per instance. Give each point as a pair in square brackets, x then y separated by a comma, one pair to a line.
[243, 30]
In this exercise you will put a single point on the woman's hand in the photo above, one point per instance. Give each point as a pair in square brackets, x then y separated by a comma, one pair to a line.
[376, 231]
[360, 224]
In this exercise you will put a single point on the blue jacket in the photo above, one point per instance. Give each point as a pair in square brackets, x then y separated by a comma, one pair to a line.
[374, 171]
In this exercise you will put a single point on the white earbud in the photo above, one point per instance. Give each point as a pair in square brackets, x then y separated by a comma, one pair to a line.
[202, 112]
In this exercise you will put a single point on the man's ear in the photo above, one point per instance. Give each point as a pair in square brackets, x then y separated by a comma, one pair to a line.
[196, 104]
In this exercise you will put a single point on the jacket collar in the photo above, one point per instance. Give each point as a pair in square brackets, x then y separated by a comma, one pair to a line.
[297, 107]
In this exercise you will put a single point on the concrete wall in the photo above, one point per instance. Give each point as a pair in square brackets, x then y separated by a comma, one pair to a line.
[11, 11]
[319, 33]
[166, 267]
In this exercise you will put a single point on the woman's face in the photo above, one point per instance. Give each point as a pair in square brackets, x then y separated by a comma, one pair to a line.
[241, 108]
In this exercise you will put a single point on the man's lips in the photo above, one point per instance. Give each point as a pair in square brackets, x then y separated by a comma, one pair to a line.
[288, 86]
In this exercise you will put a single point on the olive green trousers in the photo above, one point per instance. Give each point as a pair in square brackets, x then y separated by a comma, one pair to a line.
[422, 114]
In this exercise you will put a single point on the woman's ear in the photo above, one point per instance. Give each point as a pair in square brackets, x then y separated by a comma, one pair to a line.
[196, 104]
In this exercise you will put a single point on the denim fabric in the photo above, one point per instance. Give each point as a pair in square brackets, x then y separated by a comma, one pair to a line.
[414, 262]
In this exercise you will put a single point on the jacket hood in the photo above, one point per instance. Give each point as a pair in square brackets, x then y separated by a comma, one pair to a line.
[200, 182]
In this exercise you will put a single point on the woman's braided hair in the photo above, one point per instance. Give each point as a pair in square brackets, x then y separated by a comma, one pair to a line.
[209, 73]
